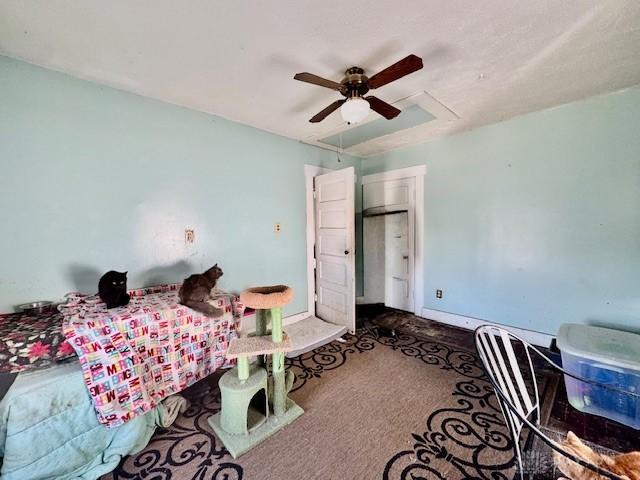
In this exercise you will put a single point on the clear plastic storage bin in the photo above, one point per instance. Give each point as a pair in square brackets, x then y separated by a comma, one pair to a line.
[606, 356]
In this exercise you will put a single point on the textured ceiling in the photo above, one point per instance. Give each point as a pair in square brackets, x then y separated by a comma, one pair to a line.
[484, 61]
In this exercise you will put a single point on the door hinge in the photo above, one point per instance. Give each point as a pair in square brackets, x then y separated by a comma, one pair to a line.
[315, 297]
[314, 193]
[315, 263]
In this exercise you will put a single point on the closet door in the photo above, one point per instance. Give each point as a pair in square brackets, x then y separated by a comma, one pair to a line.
[398, 271]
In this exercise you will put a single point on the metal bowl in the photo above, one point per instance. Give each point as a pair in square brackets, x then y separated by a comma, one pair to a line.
[36, 307]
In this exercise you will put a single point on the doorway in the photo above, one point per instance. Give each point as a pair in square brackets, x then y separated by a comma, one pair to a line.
[393, 201]
[330, 208]
[393, 204]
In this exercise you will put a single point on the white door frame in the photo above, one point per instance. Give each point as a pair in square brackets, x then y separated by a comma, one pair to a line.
[417, 172]
[311, 171]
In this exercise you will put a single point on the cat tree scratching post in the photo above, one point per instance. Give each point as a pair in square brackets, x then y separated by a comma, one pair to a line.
[238, 424]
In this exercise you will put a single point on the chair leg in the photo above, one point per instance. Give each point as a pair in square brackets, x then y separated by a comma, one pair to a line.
[519, 457]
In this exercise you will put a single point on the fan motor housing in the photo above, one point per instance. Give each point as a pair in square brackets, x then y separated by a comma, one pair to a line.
[356, 82]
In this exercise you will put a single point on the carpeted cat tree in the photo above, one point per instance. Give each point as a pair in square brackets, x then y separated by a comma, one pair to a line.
[245, 418]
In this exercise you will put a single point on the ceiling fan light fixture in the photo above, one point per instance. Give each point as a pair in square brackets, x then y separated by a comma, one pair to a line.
[355, 84]
[354, 110]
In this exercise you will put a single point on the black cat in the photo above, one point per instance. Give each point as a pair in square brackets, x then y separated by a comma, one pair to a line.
[112, 289]
[195, 290]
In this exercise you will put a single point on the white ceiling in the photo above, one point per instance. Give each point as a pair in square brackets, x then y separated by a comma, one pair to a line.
[485, 61]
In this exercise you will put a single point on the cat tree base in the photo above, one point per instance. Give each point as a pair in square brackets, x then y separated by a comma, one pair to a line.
[240, 444]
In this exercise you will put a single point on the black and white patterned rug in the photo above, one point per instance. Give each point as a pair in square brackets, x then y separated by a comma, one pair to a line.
[463, 438]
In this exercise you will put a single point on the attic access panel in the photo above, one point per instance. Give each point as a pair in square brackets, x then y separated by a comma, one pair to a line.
[410, 117]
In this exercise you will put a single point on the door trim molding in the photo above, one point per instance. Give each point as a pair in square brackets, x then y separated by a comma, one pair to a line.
[311, 171]
[400, 173]
[418, 172]
[470, 323]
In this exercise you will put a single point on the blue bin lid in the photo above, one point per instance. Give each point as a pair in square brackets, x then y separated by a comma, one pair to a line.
[606, 345]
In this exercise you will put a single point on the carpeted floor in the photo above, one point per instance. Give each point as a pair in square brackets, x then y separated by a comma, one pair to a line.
[376, 407]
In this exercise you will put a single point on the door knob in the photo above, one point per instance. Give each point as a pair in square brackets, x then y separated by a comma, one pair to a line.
[346, 252]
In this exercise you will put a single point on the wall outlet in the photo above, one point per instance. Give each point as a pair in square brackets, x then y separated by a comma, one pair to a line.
[189, 236]
[438, 293]
[277, 228]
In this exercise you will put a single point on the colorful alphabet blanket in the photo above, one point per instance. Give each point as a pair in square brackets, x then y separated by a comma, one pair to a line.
[134, 356]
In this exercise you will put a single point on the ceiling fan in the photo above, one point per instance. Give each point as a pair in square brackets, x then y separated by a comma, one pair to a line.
[355, 84]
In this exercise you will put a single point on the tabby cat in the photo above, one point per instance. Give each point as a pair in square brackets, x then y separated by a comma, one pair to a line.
[194, 292]
[112, 289]
[625, 465]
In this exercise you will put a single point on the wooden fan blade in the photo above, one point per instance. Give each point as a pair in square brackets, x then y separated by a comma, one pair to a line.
[383, 108]
[316, 80]
[398, 70]
[323, 114]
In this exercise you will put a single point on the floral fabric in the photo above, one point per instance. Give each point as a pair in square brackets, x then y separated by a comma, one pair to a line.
[134, 356]
[32, 341]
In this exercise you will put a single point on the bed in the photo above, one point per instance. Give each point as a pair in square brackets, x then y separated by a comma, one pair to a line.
[52, 425]
[49, 429]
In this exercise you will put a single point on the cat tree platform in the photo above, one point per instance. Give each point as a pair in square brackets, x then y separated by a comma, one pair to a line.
[258, 345]
[262, 298]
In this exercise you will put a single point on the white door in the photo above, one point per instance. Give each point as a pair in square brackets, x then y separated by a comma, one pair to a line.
[334, 247]
[398, 291]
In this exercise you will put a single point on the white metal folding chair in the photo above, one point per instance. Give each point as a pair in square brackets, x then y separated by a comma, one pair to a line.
[520, 403]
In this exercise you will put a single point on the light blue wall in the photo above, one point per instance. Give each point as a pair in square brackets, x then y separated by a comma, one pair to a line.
[535, 221]
[531, 222]
[93, 179]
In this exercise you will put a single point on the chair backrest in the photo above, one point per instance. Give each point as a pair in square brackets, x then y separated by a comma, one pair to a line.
[495, 347]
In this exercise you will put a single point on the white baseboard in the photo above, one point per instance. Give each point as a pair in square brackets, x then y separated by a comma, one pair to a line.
[470, 323]
[360, 300]
[248, 323]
